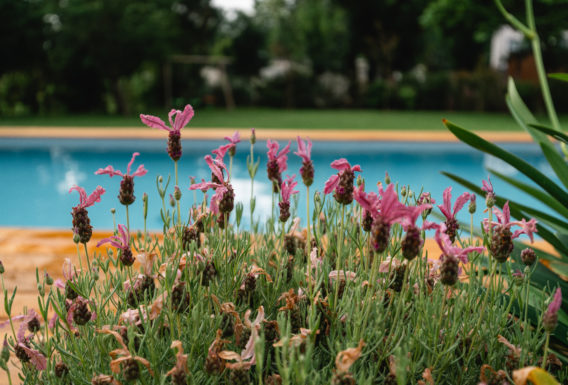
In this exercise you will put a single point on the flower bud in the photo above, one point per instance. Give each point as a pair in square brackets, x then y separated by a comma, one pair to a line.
[403, 191]
[177, 193]
[160, 179]
[113, 211]
[252, 136]
[387, 178]
[172, 201]
[490, 200]
[359, 181]
[48, 279]
[5, 355]
[76, 238]
[528, 256]
[550, 317]
[145, 201]
[1, 268]
[518, 278]
[472, 205]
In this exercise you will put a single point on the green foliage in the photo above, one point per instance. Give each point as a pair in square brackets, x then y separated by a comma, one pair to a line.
[552, 227]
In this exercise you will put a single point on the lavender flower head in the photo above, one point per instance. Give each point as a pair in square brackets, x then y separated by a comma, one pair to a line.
[178, 120]
[307, 169]
[502, 237]
[287, 191]
[550, 317]
[490, 193]
[452, 225]
[81, 223]
[342, 182]
[222, 201]
[233, 140]
[121, 242]
[126, 194]
[277, 162]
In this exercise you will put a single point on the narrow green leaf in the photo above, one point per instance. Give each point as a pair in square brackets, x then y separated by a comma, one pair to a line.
[556, 161]
[526, 120]
[559, 268]
[538, 177]
[559, 76]
[560, 136]
[534, 192]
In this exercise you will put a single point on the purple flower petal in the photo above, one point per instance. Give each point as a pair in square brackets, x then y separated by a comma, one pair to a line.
[154, 122]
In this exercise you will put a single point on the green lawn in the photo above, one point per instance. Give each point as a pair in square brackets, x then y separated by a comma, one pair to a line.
[310, 119]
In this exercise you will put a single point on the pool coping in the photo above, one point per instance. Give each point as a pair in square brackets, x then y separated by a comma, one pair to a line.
[261, 134]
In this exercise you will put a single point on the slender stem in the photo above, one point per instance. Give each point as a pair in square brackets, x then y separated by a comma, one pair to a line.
[9, 315]
[177, 202]
[308, 220]
[127, 219]
[230, 167]
[339, 260]
[88, 260]
[545, 356]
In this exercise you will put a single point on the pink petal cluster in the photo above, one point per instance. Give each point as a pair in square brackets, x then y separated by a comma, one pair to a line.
[304, 151]
[446, 207]
[504, 221]
[109, 170]
[87, 201]
[448, 249]
[177, 118]
[288, 188]
[340, 165]
[233, 140]
[280, 157]
[121, 241]
[216, 166]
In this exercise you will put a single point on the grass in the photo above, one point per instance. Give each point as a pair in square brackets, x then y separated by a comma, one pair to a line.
[294, 119]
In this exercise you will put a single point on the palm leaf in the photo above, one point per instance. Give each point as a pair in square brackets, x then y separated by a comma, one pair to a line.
[538, 177]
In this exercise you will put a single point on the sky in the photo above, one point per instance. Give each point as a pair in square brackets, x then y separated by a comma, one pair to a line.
[246, 6]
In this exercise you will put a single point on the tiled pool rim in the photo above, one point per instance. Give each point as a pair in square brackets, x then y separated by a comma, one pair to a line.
[261, 133]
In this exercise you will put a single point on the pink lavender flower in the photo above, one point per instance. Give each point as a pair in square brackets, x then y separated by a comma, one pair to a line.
[277, 163]
[550, 318]
[233, 140]
[81, 223]
[451, 255]
[342, 182]
[222, 201]
[178, 120]
[490, 193]
[287, 191]
[412, 241]
[307, 169]
[121, 242]
[368, 203]
[385, 209]
[22, 348]
[126, 194]
[502, 237]
[452, 225]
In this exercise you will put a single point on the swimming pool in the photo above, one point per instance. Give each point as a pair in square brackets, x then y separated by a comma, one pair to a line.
[37, 174]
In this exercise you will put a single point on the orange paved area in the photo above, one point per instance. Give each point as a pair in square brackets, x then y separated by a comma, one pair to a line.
[262, 134]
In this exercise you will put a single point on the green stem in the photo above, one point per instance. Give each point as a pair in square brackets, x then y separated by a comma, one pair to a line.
[88, 260]
[308, 224]
[544, 357]
[177, 185]
[127, 219]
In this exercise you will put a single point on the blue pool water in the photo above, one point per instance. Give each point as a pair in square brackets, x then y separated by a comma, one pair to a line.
[37, 174]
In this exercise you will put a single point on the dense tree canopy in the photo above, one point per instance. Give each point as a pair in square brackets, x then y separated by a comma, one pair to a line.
[84, 55]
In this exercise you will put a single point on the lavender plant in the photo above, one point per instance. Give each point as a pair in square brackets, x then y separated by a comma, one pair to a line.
[210, 303]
